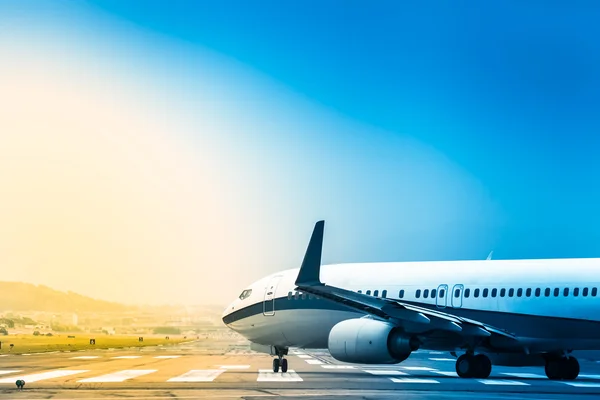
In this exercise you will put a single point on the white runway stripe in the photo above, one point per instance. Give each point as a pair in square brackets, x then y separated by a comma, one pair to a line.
[119, 376]
[198, 375]
[447, 373]
[337, 366]
[267, 375]
[9, 371]
[167, 356]
[582, 384]
[304, 356]
[384, 372]
[126, 357]
[524, 375]
[314, 362]
[43, 375]
[84, 357]
[436, 352]
[413, 380]
[590, 376]
[234, 366]
[502, 382]
[418, 368]
[442, 359]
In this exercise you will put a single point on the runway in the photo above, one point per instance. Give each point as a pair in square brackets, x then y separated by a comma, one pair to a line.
[189, 371]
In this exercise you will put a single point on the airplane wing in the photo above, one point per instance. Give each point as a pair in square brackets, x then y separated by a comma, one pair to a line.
[413, 318]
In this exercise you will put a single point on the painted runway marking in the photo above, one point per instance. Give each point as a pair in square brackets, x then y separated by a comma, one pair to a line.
[9, 371]
[384, 372]
[234, 366]
[314, 362]
[303, 356]
[413, 380]
[582, 384]
[501, 382]
[267, 375]
[447, 373]
[590, 376]
[126, 357]
[84, 357]
[43, 375]
[442, 359]
[436, 352]
[3, 355]
[337, 366]
[198, 375]
[167, 356]
[119, 376]
[524, 375]
[419, 368]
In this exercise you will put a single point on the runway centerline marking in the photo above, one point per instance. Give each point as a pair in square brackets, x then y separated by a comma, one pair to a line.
[198, 375]
[126, 357]
[234, 366]
[43, 375]
[413, 380]
[267, 375]
[337, 366]
[418, 368]
[442, 359]
[119, 376]
[501, 382]
[523, 375]
[447, 373]
[384, 372]
[303, 356]
[314, 362]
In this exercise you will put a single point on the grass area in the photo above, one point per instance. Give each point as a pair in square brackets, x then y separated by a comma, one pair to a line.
[36, 344]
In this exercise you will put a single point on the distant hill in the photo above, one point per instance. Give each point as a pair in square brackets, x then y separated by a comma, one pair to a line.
[19, 296]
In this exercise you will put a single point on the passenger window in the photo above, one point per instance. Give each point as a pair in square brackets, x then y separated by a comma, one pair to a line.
[296, 295]
[528, 292]
[485, 292]
[538, 292]
[418, 293]
[401, 294]
[303, 296]
[494, 292]
[433, 293]
[368, 293]
[467, 292]
[476, 293]
[566, 292]
[502, 292]
[384, 294]
[442, 293]
[376, 293]
[289, 295]
[556, 292]
[360, 291]
[519, 292]
[457, 293]
[511, 292]
[584, 292]
[310, 296]
[594, 292]
[425, 293]
[547, 292]
[576, 291]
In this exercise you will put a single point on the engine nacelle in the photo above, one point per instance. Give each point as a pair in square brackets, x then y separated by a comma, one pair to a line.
[368, 341]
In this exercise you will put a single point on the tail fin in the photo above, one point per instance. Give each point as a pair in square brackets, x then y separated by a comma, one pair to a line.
[310, 269]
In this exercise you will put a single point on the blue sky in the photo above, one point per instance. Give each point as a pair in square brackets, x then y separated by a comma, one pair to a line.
[417, 130]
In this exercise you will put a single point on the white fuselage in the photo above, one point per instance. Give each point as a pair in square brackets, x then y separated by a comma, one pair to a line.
[548, 304]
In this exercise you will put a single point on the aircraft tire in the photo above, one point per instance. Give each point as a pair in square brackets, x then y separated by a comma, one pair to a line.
[276, 365]
[284, 365]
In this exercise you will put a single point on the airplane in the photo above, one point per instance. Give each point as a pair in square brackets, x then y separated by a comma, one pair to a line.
[492, 312]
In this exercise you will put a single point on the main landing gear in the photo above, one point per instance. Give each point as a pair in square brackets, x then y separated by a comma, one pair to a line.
[564, 368]
[280, 361]
[473, 366]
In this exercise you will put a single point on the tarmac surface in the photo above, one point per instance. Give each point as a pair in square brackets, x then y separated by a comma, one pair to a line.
[189, 371]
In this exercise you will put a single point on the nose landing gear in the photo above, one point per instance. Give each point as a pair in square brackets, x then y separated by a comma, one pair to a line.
[280, 361]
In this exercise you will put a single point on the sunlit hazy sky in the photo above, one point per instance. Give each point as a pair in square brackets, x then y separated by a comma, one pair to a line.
[174, 152]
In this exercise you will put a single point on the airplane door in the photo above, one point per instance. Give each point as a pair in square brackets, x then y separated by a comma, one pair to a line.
[442, 295]
[457, 295]
[269, 300]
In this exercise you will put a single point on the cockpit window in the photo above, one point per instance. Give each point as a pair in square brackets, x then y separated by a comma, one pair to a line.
[245, 294]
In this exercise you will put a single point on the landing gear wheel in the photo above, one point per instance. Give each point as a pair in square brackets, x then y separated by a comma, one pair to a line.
[464, 366]
[483, 366]
[276, 365]
[284, 365]
[570, 368]
[562, 368]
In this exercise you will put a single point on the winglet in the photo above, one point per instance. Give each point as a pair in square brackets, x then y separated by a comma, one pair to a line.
[311, 266]
[489, 257]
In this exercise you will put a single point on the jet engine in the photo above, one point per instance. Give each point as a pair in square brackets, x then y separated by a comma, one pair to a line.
[369, 341]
